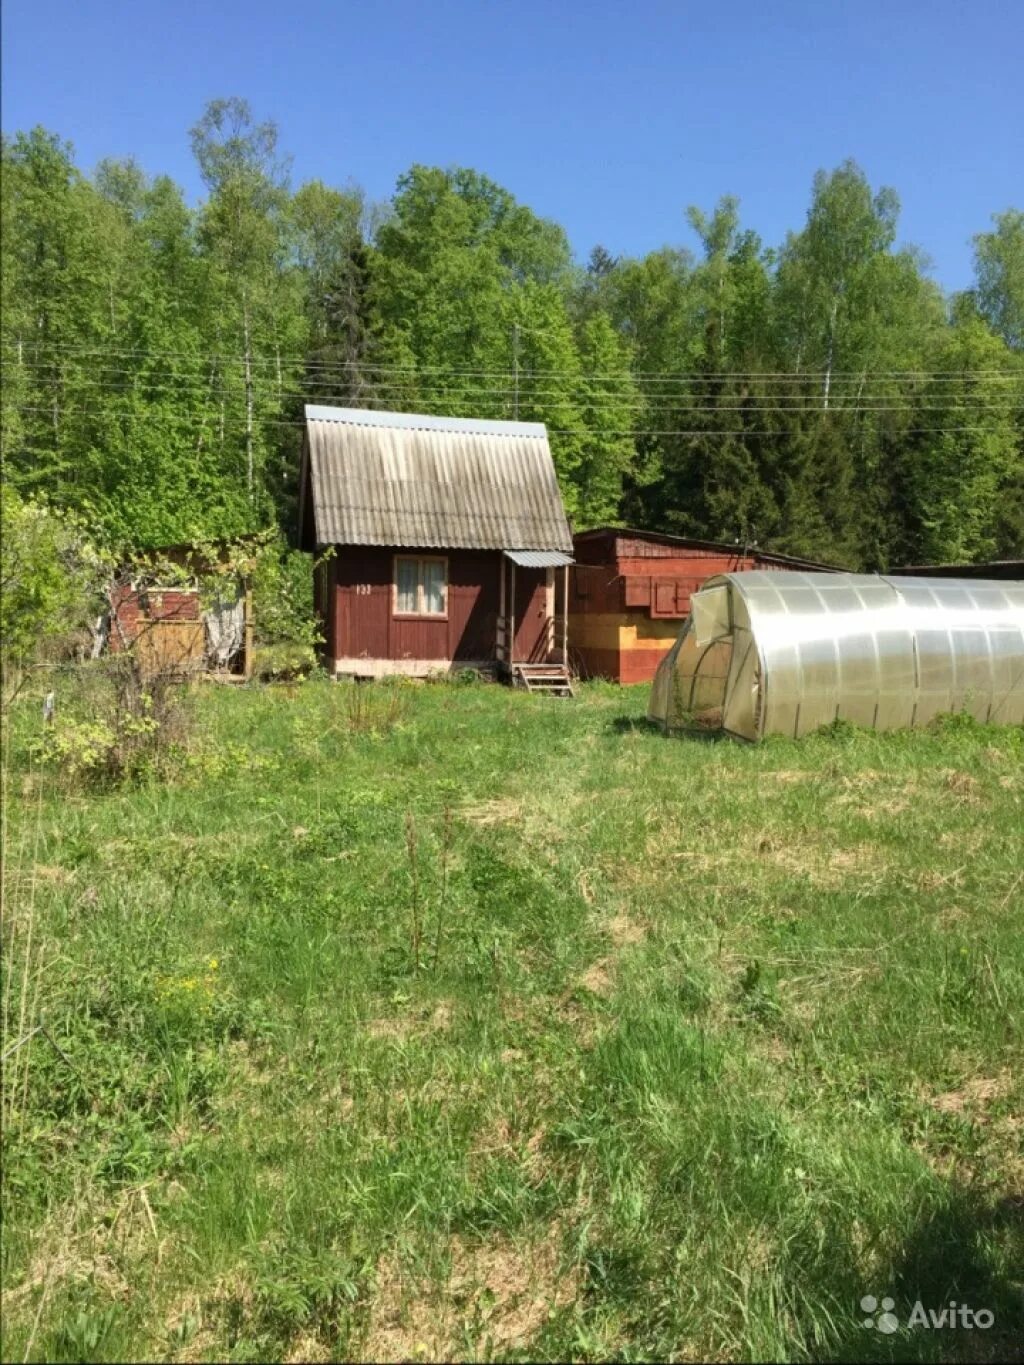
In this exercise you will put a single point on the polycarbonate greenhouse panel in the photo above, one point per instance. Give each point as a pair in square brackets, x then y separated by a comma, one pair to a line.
[805, 649]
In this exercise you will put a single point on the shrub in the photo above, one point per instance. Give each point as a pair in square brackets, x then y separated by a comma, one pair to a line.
[51, 585]
[286, 628]
[110, 725]
[282, 660]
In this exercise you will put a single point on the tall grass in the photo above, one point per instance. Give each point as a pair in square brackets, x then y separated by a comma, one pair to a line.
[456, 1022]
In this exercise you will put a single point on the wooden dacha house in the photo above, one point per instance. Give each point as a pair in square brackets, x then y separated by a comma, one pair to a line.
[451, 545]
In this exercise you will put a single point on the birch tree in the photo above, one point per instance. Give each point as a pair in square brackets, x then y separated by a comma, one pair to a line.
[255, 315]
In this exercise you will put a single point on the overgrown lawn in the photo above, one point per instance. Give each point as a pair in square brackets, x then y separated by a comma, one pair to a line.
[447, 1021]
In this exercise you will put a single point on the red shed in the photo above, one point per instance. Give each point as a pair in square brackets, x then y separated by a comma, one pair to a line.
[631, 589]
[169, 627]
[451, 544]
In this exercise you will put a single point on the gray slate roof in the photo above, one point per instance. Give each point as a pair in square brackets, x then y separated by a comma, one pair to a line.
[399, 478]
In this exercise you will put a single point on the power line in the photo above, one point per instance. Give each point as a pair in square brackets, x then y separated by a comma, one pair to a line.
[239, 422]
[625, 376]
[103, 377]
[151, 394]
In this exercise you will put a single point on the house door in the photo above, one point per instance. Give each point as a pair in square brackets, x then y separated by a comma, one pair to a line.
[533, 613]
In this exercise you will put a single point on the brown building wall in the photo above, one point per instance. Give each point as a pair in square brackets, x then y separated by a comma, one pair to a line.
[366, 626]
[356, 600]
[134, 611]
[630, 595]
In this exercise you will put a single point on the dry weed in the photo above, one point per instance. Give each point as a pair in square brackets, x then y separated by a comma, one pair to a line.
[499, 1292]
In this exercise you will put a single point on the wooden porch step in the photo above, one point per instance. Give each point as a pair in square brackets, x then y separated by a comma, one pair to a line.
[554, 680]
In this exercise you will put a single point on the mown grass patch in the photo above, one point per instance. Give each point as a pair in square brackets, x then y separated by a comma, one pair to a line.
[451, 1021]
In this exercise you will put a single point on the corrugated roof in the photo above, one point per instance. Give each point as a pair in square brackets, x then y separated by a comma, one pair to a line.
[539, 559]
[399, 478]
[725, 547]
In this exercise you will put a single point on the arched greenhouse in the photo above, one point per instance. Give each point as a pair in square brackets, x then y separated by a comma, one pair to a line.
[773, 652]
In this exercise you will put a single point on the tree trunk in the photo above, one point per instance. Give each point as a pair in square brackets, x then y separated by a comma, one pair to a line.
[721, 321]
[831, 350]
[248, 400]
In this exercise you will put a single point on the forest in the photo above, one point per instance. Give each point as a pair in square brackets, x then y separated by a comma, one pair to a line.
[820, 396]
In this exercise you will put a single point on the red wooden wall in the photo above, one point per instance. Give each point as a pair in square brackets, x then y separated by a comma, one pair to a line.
[132, 610]
[360, 622]
[630, 596]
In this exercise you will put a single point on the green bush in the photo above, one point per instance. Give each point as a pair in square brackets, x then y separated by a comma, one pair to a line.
[283, 660]
[286, 628]
[110, 725]
[52, 581]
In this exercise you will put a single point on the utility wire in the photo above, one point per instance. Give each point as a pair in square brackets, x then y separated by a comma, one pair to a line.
[114, 363]
[414, 371]
[215, 421]
[104, 378]
[149, 392]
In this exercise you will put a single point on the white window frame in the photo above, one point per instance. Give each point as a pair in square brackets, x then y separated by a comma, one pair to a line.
[419, 614]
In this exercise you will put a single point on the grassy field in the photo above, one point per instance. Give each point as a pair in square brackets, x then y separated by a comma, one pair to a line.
[446, 1021]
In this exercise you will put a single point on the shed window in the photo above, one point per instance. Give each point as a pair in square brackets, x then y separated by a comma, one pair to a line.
[421, 586]
[670, 597]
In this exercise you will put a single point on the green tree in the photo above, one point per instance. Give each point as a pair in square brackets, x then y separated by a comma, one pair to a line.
[999, 265]
[255, 325]
[968, 451]
[334, 264]
[156, 464]
[608, 399]
[53, 316]
[652, 305]
[470, 292]
[546, 378]
[851, 317]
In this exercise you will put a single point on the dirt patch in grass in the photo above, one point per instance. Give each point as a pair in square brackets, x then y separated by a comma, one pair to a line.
[500, 811]
[307, 1348]
[90, 1245]
[817, 862]
[974, 1096]
[771, 1049]
[965, 788]
[950, 917]
[884, 808]
[399, 1028]
[862, 792]
[60, 875]
[185, 1322]
[498, 1291]
[965, 840]
[502, 1137]
[599, 978]
[624, 932]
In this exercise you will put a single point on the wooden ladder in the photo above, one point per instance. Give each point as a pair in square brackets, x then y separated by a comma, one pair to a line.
[553, 680]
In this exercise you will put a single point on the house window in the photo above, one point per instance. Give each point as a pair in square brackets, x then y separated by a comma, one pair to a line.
[421, 586]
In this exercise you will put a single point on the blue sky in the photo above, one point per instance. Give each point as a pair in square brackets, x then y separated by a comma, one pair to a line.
[608, 117]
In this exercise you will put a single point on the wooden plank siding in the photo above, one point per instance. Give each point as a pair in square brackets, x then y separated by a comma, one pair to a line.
[629, 595]
[162, 626]
[365, 635]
